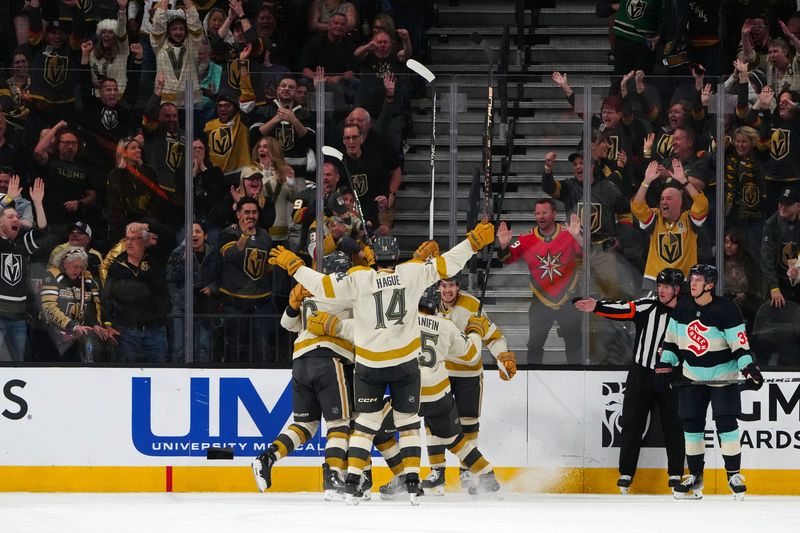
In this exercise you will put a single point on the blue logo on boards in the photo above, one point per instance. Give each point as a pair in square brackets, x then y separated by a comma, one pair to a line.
[232, 392]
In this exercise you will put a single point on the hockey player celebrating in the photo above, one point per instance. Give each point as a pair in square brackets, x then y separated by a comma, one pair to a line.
[706, 333]
[321, 384]
[387, 339]
[440, 341]
[467, 379]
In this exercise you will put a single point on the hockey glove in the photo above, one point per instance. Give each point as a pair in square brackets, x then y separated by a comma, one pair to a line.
[478, 324]
[754, 378]
[663, 378]
[508, 360]
[296, 297]
[481, 235]
[427, 249]
[369, 255]
[321, 323]
[286, 259]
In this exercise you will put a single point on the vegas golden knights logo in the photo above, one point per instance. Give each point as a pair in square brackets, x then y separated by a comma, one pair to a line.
[779, 143]
[788, 251]
[613, 147]
[285, 135]
[174, 155]
[670, 247]
[750, 194]
[255, 263]
[360, 184]
[221, 140]
[664, 148]
[55, 69]
[597, 216]
[233, 74]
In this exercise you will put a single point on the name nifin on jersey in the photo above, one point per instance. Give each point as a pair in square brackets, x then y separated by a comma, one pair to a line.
[428, 322]
[388, 281]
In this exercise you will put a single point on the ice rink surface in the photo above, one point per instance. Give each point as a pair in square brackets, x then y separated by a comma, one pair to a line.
[453, 513]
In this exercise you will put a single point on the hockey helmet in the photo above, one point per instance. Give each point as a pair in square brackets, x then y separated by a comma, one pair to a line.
[429, 301]
[709, 272]
[670, 276]
[386, 249]
[336, 261]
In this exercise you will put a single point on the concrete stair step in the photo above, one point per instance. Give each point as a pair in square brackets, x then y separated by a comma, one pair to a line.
[468, 15]
[566, 53]
[570, 15]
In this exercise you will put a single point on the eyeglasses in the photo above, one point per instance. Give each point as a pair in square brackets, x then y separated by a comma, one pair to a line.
[133, 239]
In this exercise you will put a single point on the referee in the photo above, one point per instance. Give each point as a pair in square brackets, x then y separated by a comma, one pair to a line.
[651, 315]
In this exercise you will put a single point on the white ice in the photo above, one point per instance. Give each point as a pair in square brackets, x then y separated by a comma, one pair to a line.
[305, 512]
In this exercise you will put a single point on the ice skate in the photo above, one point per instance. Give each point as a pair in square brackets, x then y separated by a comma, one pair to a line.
[468, 482]
[262, 468]
[691, 488]
[624, 483]
[396, 486]
[433, 485]
[488, 484]
[352, 492]
[673, 481]
[413, 488]
[366, 485]
[737, 486]
[332, 484]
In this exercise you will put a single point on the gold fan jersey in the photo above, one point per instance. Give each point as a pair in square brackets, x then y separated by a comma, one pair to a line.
[385, 302]
[307, 341]
[672, 244]
[441, 342]
[465, 307]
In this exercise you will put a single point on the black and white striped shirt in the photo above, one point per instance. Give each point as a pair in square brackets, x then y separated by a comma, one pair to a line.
[650, 317]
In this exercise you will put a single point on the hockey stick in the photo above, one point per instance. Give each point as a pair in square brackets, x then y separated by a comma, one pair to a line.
[330, 151]
[430, 78]
[732, 381]
[488, 124]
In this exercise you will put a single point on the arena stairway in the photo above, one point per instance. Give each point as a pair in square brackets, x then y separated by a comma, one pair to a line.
[562, 35]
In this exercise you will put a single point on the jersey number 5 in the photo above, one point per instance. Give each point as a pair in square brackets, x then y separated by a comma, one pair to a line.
[396, 311]
[428, 356]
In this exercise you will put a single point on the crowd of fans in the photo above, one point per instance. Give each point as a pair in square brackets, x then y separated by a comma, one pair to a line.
[654, 151]
[93, 244]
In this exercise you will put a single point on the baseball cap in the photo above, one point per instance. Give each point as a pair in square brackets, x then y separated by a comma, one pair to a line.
[82, 227]
[574, 155]
[789, 195]
[336, 204]
[251, 172]
[54, 25]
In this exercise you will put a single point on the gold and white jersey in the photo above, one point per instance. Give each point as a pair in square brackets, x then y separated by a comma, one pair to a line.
[442, 342]
[465, 307]
[384, 303]
[307, 341]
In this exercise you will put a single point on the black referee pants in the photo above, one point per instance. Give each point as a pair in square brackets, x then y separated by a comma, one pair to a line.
[640, 399]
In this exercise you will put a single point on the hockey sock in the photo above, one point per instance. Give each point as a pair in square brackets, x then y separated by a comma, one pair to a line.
[470, 426]
[365, 427]
[731, 451]
[410, 443]
[469, 455]
[435, 448]
[390, 452]
[295, 435]
[337, 438]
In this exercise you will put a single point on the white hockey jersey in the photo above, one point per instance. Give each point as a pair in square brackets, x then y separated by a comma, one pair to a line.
[441, 342]
[465, 307]
[307, 341]
[385, 303]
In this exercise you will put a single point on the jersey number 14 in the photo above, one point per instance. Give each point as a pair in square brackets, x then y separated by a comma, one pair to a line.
[395, 312]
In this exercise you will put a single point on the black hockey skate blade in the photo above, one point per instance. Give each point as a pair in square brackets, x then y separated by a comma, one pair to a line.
[219, 453]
